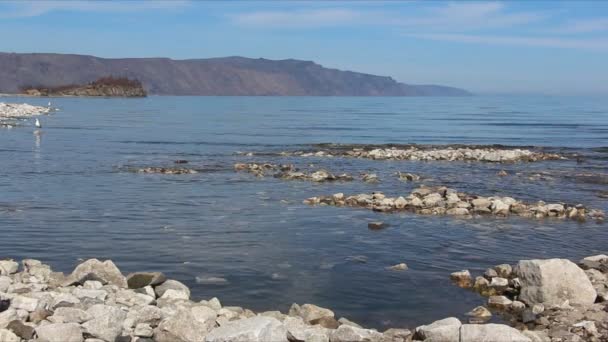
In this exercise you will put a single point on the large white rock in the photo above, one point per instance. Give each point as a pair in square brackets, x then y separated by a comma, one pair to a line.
[93, 269]
[187, 324]
[490, 333]
[60, 332]
[553, 282]
[254, 329]
[8, 267]
[106, 323]
[299, 331]
[172, 285]
[310, 312]
[347, 333]
[444, 330]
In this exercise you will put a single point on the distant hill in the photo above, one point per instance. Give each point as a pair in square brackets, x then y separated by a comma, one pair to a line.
[231, 76]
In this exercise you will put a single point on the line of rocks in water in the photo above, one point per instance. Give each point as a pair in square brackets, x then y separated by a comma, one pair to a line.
[290, 172]
[478, 154]
[550, 300]
[446, 201]
[96, 303]
[11, 113]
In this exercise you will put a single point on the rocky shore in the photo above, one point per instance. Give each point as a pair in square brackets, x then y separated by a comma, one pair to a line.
[547, 300]
[446, 201]
[12, 113]
[449, 153]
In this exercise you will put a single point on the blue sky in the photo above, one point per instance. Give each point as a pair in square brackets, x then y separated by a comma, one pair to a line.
[551, 47]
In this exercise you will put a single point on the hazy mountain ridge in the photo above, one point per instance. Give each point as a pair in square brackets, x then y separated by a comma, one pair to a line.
[213, 76]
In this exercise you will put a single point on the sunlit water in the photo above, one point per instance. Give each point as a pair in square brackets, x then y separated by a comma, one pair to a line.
[65, 196]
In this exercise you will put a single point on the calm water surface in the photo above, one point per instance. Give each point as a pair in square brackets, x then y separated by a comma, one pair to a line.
[65, 195]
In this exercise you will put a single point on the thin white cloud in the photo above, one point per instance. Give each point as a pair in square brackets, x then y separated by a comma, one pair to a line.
[553, 42]
[460, 16]
[584, 26]
[298, 18]
[27, 8]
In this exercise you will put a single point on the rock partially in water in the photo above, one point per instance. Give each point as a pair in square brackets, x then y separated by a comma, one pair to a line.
[462, 278]
[12, 113]
[434, 153]
[290, 172]
[408, 177]
[442, 200]
[376, 225]
[398, 267]
[167, 170]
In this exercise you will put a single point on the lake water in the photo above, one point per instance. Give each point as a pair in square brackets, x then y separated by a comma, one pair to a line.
[65, 195]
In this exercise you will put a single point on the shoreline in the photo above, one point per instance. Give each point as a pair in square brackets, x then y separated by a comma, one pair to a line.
[96, 302]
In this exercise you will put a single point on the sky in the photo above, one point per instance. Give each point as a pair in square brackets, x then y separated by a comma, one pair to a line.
[539, 47]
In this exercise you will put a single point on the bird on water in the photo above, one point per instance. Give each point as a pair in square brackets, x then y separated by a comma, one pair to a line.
[37, 123]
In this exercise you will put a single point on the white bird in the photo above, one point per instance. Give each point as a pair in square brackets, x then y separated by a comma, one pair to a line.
[49, 104]
[38, 125]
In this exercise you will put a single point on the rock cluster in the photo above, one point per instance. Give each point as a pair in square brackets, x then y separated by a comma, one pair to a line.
[479, 154]
[290, 172]
[167, 170]
[549, 300]
[443, 200]
[11, 112]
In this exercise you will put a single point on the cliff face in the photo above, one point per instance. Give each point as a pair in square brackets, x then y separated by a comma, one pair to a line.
[216, 76]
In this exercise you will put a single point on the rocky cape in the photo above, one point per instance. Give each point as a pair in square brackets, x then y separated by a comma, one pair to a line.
[96, 303]
[229, 76]
[103, 87]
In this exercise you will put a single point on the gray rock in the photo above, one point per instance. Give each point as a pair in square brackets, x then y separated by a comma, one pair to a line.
[553, 282]
[93, 269]
[490, 333]
[142, 279]
[186, 325]
[254, 329]
[149, 314]
[445, 330]
[171, 285]
[92, 294]
[65, 300]
[60, 332]
[106, 323]
[8, 336]
[20, 329]
[347, 333]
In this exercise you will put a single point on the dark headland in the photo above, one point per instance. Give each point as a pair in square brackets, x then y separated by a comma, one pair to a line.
[228, 76]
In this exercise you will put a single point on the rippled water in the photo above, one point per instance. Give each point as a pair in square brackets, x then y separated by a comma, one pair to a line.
[64, 195]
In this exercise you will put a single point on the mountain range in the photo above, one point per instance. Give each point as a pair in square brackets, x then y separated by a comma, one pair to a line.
[227, 76]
